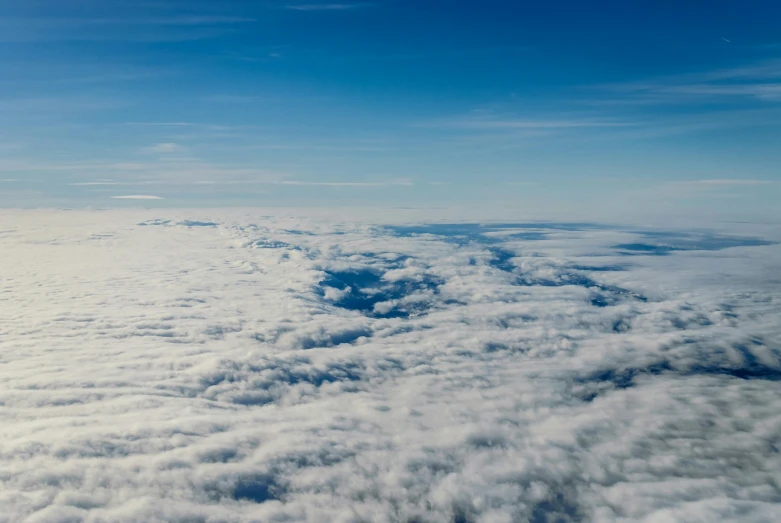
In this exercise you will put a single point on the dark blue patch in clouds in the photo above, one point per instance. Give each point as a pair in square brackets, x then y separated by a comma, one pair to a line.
[661, 243]
[530, 236]
[598, 268]
[621, 325]
[389, 259]
[644, 248]
[501, 260]
[655, 243]
[258, 489]
[462, 515]
[332, 373]
[624, 378]
[192, 223]
[335, 338]
[604, 295]
[268, 244]
[600, 300]
[464, 233]
[366, 288]
[558, 508]
[360, 278]
[750, 372]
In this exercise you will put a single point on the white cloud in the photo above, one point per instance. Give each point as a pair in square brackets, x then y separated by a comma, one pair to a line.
[347, 184]
[162, 124]
[97, 182]
[164, 148]
[759, 80]
[722, 182]
[137, 197]
[125, 28]
[326, 7]
[193, 365]
[512, 123]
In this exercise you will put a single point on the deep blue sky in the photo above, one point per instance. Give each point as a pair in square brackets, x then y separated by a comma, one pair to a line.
[390, 102]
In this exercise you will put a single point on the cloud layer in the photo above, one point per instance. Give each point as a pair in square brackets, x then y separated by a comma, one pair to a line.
[137, 197]
[197, 366]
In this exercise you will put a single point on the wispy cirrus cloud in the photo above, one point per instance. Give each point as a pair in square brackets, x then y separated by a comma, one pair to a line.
[318, 147]
[162, 148]
[67, 23]
[95, 183]
[131, 28]
[137, 197]
[721, 182]
[347, 184]
[162, 124]
[57, 104]
[232, 182]
[760, 91]
[326, 7]
[513, 123]
[761, 81]
[168, 169]
[245, 181]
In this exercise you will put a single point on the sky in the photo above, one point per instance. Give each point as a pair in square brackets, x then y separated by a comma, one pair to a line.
[549, 105]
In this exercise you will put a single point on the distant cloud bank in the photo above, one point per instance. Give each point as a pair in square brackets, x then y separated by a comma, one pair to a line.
[137, 197]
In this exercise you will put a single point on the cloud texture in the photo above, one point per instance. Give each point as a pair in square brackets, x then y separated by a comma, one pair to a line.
[197, 366]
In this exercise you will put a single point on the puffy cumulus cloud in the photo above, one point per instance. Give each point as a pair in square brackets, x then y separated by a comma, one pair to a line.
[224, 366]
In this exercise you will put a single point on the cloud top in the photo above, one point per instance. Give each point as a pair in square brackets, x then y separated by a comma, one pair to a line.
[271, 366]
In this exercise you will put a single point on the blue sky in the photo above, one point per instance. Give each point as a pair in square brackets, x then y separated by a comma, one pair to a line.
[393, 103]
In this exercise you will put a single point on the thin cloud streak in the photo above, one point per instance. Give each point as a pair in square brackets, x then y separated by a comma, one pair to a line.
[173, 29]
[307, 147]
[760, 81]
[91, 184]
[326, 7]
[762, 70]
[162, 124]
[171, 21]
[522, 124]
[162, 148]
[137, 197]
[723, 182]
[348, 184]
